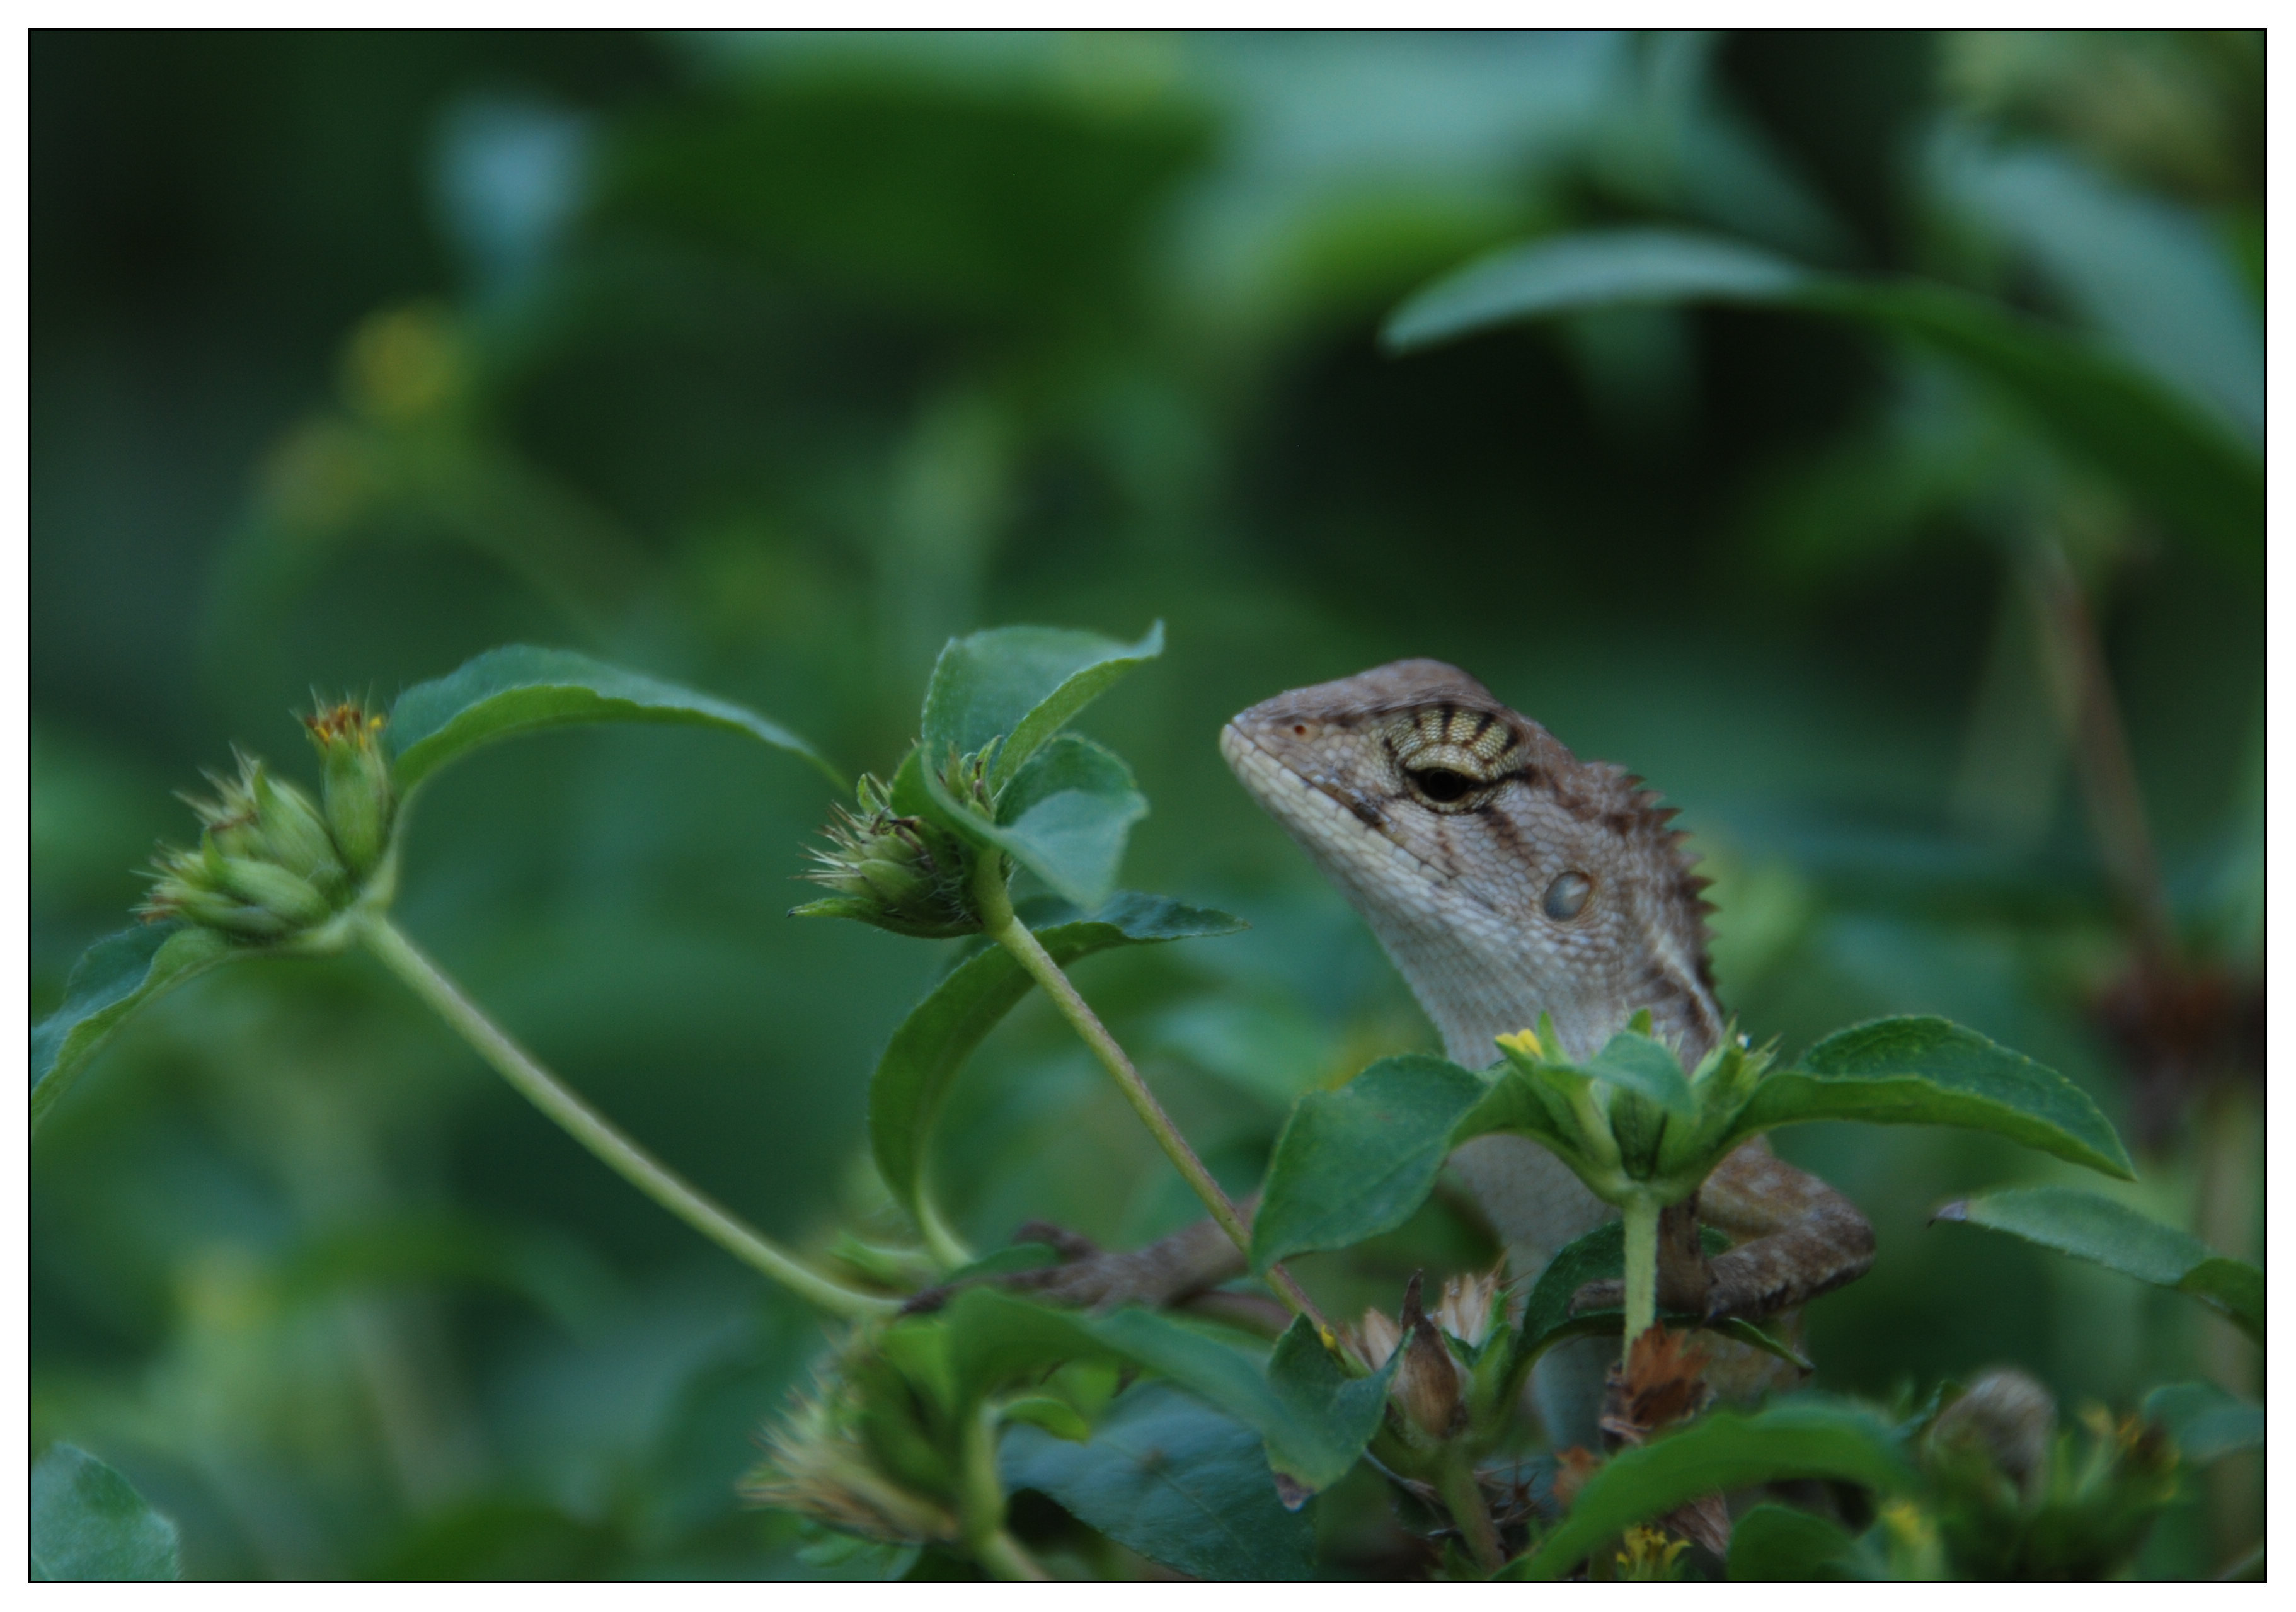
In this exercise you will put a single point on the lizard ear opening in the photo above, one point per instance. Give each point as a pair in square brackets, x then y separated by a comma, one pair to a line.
[1567, 897]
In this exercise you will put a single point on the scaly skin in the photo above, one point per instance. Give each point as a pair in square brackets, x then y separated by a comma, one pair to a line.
[1506, 878]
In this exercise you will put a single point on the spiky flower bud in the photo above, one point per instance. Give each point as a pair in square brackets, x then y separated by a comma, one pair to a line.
[900, 873]
[267, 867]
[358, 793]
[819, 1464]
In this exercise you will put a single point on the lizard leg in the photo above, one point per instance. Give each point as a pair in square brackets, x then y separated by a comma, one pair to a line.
[1798, 1237]
[1189, 1261]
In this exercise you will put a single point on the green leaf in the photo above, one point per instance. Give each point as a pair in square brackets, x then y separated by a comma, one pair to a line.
[1312, 1419]
[2117, 1238]
[2205, 1421]
[89, 1523]
[112, 979]
[1334, 1414]
[1781, 1544]
[1354, 1163]
[523, 689]
[2194, 472]
[1023, 682]
[1930, 1071]
[1802, 1438]
[1604, 268]
[1064, 817]
[1639, 1063]
[940, 1033]
[1174, 1480]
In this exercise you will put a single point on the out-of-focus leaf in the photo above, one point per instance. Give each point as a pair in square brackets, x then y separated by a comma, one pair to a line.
[934, 1043]
[1023, 682]
[1780, 1544]
[521, 689]
[2117, 1238]
[89, 1523]
[2194, 473]
[1274, 1050]
[1354, 1163]
[114, 978]
[1802, 1438]
[497, 1537]
[1313, 1420]
[2205, 1421]
[1931, 1071]
[1046, 1414]
[2143, 269]
[1174, 1479]
[1065, 817]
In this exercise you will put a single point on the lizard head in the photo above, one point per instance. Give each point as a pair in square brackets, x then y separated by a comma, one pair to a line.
[1505, 877]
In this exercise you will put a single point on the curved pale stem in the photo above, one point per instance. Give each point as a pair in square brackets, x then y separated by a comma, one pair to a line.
[587, 1127]
[1004, 928]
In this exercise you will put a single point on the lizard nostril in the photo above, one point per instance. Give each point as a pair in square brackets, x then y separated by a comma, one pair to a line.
[1300, 728]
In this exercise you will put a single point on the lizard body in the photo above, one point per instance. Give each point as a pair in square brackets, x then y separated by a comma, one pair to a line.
[1506, 878]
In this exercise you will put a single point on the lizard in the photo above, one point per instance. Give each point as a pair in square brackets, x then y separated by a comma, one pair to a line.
[1504, 877]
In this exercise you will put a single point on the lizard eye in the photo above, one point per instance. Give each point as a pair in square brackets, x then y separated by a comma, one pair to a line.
[1443, 786]
[1566, 897]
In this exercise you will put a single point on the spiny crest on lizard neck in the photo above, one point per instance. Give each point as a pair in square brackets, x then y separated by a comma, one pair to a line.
[1504, 876]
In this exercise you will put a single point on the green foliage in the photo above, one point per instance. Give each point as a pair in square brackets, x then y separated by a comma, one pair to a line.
[2113, 1235]
[1778, 1544]
[89, 1523]
[1022, 685]
[1356, 1162]
[2203, 1421]
[523, 689]
[1804, 1437]
[1927, 1071]
[935, 1041]
[2195, 473]
[1168, 1477]
[117, 976]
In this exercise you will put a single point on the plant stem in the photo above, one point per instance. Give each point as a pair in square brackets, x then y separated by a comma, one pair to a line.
[1004, 928]
[1463, 1498]
[1641, 1213]
[1006, 1557]
[592, 1131]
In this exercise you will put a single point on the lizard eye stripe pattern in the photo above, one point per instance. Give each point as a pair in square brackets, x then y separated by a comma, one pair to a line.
[1452, 758]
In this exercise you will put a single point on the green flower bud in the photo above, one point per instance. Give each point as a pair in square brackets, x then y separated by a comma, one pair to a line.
[267, 867]
[269, 885]
[295, 832]
[358, 794]
[900, 873]
[819, 1463]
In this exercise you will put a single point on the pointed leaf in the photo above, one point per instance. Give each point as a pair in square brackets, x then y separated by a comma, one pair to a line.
[1354, 1163]
[934, 1043]
[1803, 1437]
[113, 979]
[1022, 683]
[89, 1523]
[1640, 1063]
[1065, 817]
[1174, 1479]
[2191, 467]
[2205, 1421]
[2117, 1237]
[1931, 1071]
[522, 690]
[1342, 1413]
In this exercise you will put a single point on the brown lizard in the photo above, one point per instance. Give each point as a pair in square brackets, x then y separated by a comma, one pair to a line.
[1506, 878]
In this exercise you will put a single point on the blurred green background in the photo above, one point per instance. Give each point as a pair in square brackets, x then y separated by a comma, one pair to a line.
[766, 363]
